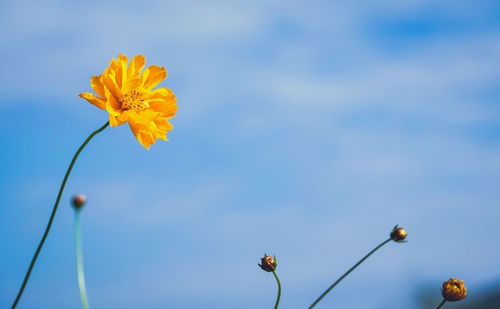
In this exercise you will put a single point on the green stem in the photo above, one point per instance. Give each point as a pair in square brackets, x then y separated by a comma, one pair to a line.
[348, 272]
[441, 304]
[279, 290]
[79, 262]
[47, 229]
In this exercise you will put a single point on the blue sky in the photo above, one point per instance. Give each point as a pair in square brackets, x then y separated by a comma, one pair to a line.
[305, 130]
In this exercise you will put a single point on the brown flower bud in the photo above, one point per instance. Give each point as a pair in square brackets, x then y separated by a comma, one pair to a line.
[268, 263]
[398, 234]
[78, 201]
[454, 290]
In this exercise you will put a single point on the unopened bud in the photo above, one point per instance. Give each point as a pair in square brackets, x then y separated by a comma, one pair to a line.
[398, 234]
[78, 201]
[454, 290]
[268, 263]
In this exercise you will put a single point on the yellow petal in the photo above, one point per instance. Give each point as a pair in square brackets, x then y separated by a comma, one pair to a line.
[136, 65]
[115, 72]
[123, 61]
[99, 102]
[153, 130]
[110, 83]
[143, 118]
[140, 134]
[114, 121]
[144, 132]
[167, 107]
[163, 100]
[147, 139]
[131, 84]
[135, 130]
[163, 127]
[97, 85]
[118, 69]
[112, 105]
[162, 94]
[152, 76]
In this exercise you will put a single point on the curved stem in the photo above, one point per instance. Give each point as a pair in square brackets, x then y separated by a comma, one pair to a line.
[47, 229]
[79, 262]
[441, 304]
[279, 290]
[348, 272]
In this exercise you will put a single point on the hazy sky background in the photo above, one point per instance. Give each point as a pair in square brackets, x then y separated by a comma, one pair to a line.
[305, 130]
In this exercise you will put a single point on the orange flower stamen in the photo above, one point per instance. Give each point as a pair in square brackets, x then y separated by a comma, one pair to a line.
[134, 100]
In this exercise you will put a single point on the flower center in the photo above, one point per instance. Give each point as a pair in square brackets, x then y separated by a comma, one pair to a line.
[134, 100]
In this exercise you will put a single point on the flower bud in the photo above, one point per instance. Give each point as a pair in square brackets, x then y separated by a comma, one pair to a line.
[268, 263]
[454, 290]
[78, 201]
[398, 234]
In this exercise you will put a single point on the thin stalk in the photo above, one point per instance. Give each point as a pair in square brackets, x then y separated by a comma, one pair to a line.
[279, 290]
[349, 271]
[47, 229]
[79, 262]
[441, 304]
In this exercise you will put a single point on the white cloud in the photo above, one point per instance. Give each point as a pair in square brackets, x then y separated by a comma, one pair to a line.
[429, 82]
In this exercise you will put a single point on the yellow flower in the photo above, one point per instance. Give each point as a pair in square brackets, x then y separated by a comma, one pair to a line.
[128, 96]
[454, 290]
